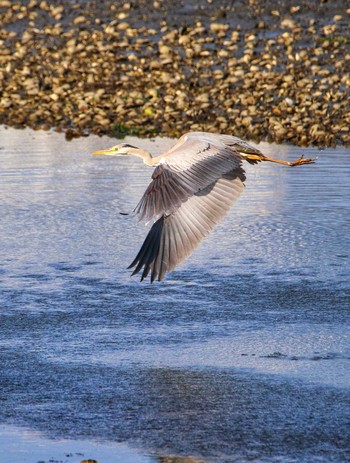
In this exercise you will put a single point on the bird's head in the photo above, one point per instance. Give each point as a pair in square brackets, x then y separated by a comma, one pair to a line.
[118, 150]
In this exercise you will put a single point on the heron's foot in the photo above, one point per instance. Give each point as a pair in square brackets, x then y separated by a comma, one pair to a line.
[300, 161]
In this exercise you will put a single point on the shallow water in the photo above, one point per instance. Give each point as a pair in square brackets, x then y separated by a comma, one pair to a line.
[241, 354]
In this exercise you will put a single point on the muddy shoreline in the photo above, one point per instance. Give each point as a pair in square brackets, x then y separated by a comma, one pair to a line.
[261, 70]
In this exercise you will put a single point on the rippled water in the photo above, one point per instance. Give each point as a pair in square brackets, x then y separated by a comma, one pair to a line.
[241, 354]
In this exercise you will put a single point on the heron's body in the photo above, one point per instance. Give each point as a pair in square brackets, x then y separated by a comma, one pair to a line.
[193, 186]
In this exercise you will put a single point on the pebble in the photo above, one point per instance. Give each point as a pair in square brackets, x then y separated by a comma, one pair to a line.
[143, 70]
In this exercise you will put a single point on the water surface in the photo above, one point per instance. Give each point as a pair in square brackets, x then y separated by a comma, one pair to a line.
[241, 354]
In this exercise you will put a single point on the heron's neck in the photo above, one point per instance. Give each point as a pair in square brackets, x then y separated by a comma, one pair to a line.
[145, 155]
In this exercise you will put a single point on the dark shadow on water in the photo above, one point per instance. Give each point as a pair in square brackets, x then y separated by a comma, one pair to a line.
[213, 413]
[48, 382]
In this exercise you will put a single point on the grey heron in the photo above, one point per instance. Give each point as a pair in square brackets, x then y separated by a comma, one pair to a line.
[193, 186]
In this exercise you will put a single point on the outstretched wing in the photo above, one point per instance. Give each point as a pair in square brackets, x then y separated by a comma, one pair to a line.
[190, 166]
[173, 237]
[193, 187]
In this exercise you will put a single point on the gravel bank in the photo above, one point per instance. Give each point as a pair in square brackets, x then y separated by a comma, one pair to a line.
[275, 71]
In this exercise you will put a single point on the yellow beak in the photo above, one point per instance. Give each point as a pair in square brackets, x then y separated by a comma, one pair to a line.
[109, 152]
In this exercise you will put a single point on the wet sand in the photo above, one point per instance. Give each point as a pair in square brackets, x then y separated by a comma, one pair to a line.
[255, 69]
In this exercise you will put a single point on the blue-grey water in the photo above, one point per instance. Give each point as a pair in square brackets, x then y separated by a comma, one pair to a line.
[241, 355]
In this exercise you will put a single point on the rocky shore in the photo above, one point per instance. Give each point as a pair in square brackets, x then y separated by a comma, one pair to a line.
[262, 70]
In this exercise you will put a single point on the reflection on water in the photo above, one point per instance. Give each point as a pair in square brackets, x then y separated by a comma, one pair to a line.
[27, 446]
[242, 354]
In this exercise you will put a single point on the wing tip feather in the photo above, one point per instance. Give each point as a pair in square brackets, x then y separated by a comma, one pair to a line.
[149, 250]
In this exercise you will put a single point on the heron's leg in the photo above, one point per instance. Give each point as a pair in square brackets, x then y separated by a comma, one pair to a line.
[297, 162]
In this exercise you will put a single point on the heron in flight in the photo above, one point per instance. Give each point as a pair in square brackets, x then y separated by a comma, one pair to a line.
[193, 186]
